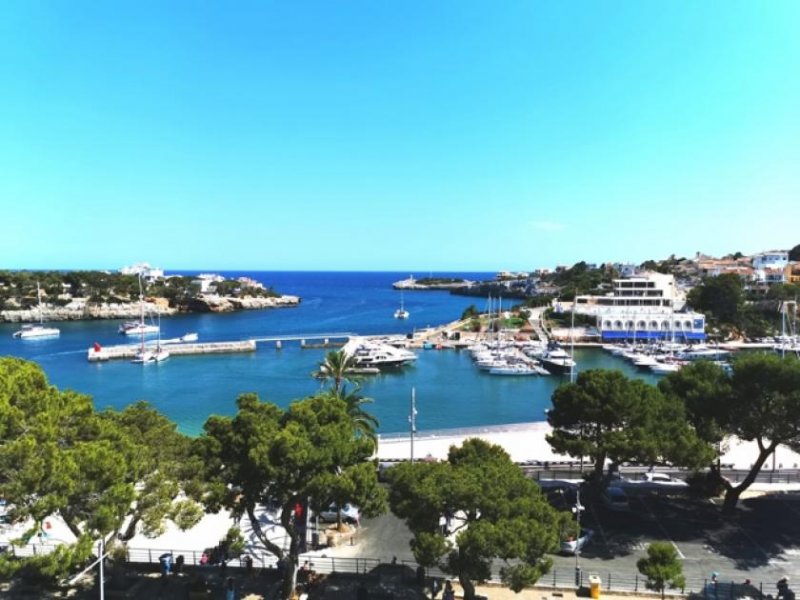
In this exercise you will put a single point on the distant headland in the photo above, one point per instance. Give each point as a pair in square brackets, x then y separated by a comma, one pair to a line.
[27, 296]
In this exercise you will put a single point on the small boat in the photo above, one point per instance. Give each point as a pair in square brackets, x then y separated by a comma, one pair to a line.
[513, 370]
[664, 368]
[139, 327]
[148, 355]
[37, 330]
[151, 356]
[401, 313]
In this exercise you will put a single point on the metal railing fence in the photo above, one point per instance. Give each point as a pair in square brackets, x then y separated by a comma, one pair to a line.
[722, 588]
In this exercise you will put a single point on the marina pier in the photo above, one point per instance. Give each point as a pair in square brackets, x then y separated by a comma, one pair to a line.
[321, 340]
[129, 351]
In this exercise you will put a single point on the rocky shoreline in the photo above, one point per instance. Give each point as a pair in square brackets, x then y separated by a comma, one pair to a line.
[80, 309]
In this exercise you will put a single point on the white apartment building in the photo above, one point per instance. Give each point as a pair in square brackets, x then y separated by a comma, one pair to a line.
[769, 266]
[648, 306]
[144, 269]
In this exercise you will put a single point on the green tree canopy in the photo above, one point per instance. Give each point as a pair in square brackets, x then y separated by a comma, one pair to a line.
[608, 417]
[307, 453]
[492, 511]
[58, 455]
[662, 567]
[759, 402]
[720, 298]
[337, 369]
[470, 312]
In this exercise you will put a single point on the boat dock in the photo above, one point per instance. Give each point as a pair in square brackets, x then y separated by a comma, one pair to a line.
[322, 340]
[129, 351]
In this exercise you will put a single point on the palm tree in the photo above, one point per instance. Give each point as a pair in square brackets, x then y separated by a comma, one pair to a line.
[365, 424]
[337, 366]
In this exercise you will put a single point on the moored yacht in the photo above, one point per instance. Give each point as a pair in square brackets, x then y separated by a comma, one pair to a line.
[557, 360]
[368, 353]
[37, 330]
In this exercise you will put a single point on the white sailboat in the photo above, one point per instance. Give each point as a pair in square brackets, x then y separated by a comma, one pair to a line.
[161, 353]
[139, 327]
[401, 313]
[37, 330]
[147, 355]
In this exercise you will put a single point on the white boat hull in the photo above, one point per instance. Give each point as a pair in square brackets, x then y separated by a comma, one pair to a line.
[36, 331]
[139, 330]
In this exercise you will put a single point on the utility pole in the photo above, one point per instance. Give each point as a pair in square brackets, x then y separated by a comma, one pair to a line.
[412, 419]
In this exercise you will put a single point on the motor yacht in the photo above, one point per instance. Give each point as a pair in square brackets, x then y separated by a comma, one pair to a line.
[368, 353]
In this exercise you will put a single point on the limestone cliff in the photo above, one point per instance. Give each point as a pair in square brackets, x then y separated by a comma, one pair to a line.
[80, 309]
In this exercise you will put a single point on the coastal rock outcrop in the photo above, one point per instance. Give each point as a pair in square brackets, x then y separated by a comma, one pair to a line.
[81, 309]
[220, 304]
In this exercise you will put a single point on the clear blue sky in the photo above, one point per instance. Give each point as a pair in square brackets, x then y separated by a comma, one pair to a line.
[404, 135]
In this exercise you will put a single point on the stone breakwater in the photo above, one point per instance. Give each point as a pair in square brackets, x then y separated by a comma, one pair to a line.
[80, 309]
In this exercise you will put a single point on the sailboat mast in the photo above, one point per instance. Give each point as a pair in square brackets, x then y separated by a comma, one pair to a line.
[572, 341]
[39, 300]
[141, 313]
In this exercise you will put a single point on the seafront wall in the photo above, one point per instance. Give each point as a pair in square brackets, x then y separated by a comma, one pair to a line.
[80, 309]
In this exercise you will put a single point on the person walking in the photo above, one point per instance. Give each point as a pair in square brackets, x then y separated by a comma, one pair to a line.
[449, 593]
[230, 589]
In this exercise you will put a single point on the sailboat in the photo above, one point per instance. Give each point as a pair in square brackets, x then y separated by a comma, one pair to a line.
[37, 330]
[147, 355]
[161, 352]
[139, 327]
[401, 313]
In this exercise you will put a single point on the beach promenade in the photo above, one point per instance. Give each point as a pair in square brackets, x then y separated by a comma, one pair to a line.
[526, 442]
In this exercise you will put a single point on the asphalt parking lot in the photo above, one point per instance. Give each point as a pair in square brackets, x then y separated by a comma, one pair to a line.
[761, 542]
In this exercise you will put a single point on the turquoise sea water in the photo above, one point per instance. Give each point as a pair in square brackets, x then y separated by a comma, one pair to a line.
[450, 391]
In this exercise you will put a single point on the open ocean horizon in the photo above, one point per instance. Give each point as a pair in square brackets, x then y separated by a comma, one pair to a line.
[450, 391]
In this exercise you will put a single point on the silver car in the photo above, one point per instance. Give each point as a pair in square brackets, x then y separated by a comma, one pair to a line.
[350, 513]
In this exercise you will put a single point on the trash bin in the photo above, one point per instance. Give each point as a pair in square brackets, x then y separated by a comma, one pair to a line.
[594, 587]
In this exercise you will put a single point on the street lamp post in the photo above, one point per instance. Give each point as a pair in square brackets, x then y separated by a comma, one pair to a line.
[412, 420]
[577, 510]
[102, 552]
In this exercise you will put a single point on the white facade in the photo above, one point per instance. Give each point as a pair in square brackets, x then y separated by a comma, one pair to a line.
[647, 306]
[769, 266]
[143, 269]
[773, 259]
[208, 282]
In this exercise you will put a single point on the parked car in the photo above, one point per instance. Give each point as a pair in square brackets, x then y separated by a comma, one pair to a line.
[350, 513]
[563, 499]
[663, 478]
[616, 499]
[575, 543]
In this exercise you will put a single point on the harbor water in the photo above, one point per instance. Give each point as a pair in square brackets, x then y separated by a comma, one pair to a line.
[450, 391]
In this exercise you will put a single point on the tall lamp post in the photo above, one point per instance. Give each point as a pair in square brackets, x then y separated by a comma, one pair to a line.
[412, 420]
[578, 508]
[102, 552]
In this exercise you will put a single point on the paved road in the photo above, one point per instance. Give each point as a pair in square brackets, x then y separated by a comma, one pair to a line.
[760, 543]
